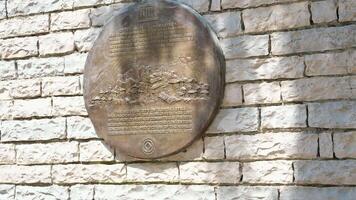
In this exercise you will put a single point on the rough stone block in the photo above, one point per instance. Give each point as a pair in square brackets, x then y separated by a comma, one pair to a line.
[326, 145]
[6, 109]
[80, 128]
[82, 192]
[94, 151]
[345, 144]
[56, 43]
[248, 3]
[70, 20]
[85, 3]
[64, 106]
[215, 5]
[16, 174]
[40, 67]
[347, 10]
[100, 16]
[290, 116]
[8, 154]
[18, 47]
[198, 5]
[51, 192]
[323, 11]
[25, 88]
[2, 9]
[262, 93]
[7, 192]
[245, 46]
[326, 193]
[225, 24]
[152, 172]
[7, 70]
[232, 95]
[25, 7]
[55, 86]
[247, 192]
[214, 148]
[84, 39]
[32, 108]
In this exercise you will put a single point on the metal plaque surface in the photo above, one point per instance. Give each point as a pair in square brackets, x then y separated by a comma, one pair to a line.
[153, 80]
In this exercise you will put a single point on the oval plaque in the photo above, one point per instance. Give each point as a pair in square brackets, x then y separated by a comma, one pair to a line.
[153, 80]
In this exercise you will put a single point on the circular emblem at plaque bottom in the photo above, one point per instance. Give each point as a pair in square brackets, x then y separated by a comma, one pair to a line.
[154, 79]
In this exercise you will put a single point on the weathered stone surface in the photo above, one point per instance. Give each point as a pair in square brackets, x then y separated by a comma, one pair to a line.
[323, 11]
[95, 151]
[325, 172]
[54, 192]
[152, 172]
[262, 93]
[319, 88]
[319, 39]
[232, 95]
[5, 95]
[290, 116]
[214, 148]
[157, 192]
[198, 5]
[7, 192]
[247, 192]
[233, 120]
[248, 3]
[341, 114]
[193, 152]
[16, 174]
[56, 43]
[6, 109]
[215, 5]
[347, 10]
[59, 152]
[225, 24]
[81, 3]
[272, 146]
[30, 108]
[75, 63]
[7, 70]
[24, 26]
[276, 17]
[78, 173]
[268, 172]
[8, 154]
[326, 145]
[2, 9]
[82, 192]
[25, 88]
[42, 129]
[64, 106]
[100, 16]
[245, 46]
[18, 47]
[326, 193]
[40, 67]
[345, 144]
[25, 7]
[270, 68]
[204, 172]
[70, 20]
[54, 86]
[84, 39]
[331, 63]
[80, 128]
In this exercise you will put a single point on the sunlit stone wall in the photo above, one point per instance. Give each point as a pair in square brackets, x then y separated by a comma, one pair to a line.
[286, 129]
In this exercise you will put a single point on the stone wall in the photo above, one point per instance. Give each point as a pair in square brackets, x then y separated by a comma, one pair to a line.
[286, 129]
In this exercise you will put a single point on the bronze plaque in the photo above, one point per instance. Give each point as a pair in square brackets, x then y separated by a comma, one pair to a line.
[153, 81]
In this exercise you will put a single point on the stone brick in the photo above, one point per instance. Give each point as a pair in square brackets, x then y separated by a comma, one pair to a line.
[80, 128]
[82, 192]
[323, 11]
[319, 39]
[319, 88]
[84, 39]
[245, 46]
[276, 17]
[59, 152]
[7, 192]
[326, 145]
[331, 63]
[214, 148]
[198, 5]
[40, 67]
[326, 193]
[225, 24]
[51, 192]
[64, 106]
[54, 86]
[233, 120]
[100, 16]
[7, 70]
[56, 43]
[24, 26]
[95, 151]
[25, 88]
[248, 3]
[289, 116]
[25, 7]
[42, 129]
[85, 3]
[332, 172]
[272, 146]
[232, 95]
[2, 9]
[5, 95]
[339, 114]
[262, 93]
[17, 174]
[75, 63]
[79, 173]
[268, 172]
[215, 5]
[264, 69]
[347, 10]
[70, 20]
[6, 109]
[18, 47]
[157, 192]
[8, 154]
[32, 108]
[192, 152]
[247, 192]
[152, 172]
[345, 145]
[206, 172]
